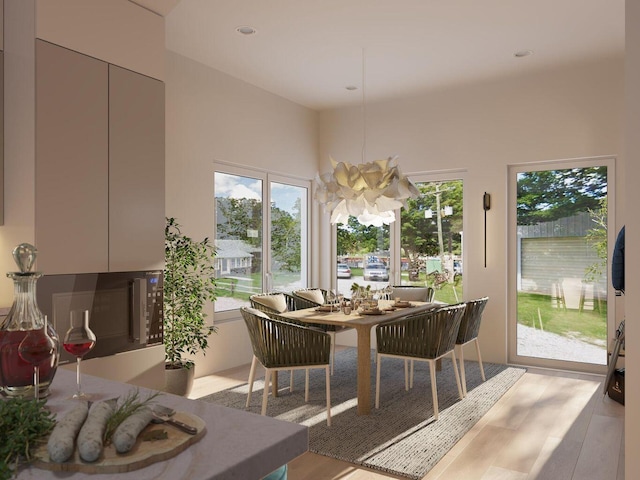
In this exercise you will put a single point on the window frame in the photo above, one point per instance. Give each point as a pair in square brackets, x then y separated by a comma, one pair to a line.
[267, 178]
[395, 230]
[512, 266]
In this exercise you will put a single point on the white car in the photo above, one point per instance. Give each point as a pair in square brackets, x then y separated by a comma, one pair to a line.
[376, 271]
[344, 271]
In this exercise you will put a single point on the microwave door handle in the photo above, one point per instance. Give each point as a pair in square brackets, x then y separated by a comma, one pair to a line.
[139, 311]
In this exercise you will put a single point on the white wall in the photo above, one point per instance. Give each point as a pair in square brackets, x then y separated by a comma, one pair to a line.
[632, 281]
[482, 128]
[118, 32]
[214, 117]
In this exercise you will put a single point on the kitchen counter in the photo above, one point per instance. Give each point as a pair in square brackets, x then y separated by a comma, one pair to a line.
[236, 445]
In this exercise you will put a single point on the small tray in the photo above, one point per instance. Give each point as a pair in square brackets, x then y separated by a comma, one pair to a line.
[141, 455]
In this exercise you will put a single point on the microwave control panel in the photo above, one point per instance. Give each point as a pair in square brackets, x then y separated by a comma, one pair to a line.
[147, 318]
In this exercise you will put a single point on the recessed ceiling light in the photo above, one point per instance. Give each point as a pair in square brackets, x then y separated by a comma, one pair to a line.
[523, 53]
[246, 30]
[351, 87]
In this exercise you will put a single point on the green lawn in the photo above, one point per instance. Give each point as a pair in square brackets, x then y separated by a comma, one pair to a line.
[588, 325]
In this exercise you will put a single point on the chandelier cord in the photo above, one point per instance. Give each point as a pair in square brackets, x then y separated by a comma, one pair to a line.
[364, 111]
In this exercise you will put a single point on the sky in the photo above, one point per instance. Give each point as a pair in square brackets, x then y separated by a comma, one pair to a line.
[236, 186]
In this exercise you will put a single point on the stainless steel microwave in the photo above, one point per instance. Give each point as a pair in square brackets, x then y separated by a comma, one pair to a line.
[125, 308]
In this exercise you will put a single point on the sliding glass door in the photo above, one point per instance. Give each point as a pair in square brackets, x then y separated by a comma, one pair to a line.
[559, 268]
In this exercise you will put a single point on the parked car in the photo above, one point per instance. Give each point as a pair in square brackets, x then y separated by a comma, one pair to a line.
[344, 271]
[457, 267]
[376, 271]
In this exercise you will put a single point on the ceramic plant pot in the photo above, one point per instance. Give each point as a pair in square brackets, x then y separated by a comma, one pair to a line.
[178, 380]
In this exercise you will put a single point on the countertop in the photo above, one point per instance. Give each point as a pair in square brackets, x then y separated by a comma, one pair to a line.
[237, 444]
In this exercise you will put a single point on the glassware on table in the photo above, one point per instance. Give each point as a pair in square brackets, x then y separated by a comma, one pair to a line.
[36, 348]
[16, 374]
[78, 341]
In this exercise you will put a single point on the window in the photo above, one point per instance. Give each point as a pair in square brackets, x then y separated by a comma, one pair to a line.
[431, 239]
[360, 248]
[428, 252]
[259, 249]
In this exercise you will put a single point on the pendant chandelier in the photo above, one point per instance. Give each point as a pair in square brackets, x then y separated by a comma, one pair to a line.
[370, 191]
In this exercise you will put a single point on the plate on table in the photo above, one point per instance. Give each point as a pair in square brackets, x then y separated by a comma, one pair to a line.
[328, 308]
[372, 312]
[402, 304]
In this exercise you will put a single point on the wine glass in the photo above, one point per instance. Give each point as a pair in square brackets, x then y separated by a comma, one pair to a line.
[78, 341]
[36, 348]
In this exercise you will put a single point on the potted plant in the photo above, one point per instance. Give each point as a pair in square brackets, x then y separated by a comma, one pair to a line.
[189, 283]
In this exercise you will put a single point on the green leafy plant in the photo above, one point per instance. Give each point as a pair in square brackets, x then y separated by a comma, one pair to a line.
[24, 426]
[189, 282]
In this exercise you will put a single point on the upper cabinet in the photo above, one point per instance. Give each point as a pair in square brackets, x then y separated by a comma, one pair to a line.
[72, 161]
[99, 165]
[136, 171]
[1, 137]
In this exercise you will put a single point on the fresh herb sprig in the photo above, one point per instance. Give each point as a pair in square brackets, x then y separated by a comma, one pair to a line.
[24, 425]
[127, 407]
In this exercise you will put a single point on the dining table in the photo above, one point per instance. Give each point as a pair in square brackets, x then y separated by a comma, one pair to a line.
[362, 321]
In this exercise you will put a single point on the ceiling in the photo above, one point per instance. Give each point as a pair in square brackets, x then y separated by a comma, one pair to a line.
[308, 51]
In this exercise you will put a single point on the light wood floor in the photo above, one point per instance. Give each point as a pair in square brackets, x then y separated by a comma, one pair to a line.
[549, 426]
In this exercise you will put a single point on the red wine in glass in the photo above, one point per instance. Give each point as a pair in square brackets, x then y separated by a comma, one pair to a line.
[36, 348]
[78, 341]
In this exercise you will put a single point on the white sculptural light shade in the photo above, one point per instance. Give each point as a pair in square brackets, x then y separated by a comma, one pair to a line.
[369, 191]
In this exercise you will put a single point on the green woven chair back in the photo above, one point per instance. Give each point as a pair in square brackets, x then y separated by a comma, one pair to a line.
[470, 323]
[301, 302]
[424, 335]
[278, 344]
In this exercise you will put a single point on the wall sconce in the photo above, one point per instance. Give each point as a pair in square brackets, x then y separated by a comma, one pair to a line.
[486, 205]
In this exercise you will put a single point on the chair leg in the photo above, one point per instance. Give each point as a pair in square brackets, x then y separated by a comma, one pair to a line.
[252, 374]
[378, 362]
[463, 376]
[291, 381]
[265, 395]
[328, 388]
[434, 388]
[332, 357]
[306, 385]
[455, 370]
[406, 374]
[480, 359]
[411, 375]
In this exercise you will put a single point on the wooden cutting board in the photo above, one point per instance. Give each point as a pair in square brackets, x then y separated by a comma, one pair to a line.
[143, 453]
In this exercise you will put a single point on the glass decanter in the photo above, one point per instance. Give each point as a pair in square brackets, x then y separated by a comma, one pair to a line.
[16, 374]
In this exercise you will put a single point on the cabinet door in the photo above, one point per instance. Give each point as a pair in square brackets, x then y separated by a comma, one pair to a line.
[1, 138]
[136, 171]
[71, 218]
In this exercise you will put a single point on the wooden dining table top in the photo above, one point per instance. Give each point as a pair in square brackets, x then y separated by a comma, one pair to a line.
[363, 324]
[357, 318]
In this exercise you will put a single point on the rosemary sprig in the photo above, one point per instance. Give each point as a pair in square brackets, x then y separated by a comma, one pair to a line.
[127, 407]
[24, 425]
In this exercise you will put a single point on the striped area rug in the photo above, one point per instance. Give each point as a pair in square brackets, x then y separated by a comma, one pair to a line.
[401, 436]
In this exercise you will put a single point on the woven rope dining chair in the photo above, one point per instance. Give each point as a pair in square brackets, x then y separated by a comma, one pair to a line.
[468, 332]
[279, 346]
[413, 293]
[427, 337]
[311, 298]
